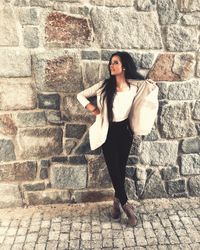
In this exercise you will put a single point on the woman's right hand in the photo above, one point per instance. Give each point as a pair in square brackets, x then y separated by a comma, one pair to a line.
[93, 109]
[96, 112]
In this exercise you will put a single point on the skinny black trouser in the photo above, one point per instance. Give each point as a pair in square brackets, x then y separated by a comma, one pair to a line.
[116, 150]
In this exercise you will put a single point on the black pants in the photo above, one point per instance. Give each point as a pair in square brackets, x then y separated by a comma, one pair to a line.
[116, 151]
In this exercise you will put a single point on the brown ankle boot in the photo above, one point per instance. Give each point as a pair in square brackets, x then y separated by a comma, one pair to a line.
[129, 210]
[115, 212]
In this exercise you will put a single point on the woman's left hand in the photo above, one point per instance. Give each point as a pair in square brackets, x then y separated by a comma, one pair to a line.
[96, 112]
[151, 81]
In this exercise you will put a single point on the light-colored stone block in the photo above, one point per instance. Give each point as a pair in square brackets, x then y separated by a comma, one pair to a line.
[10, 195]
[92, 195]
[112, 31]
[158, 153]
[57, 71]
[16, 95]
[49, 196]
[68, 176]
[8, 26]
[176, 121]
[190, 164]
[180, 38]
[39, 142]
[15, 62]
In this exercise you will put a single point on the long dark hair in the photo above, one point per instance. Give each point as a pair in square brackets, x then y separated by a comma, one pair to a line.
[109, 85]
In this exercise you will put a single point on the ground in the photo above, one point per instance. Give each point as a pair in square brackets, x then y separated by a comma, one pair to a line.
[163, 224]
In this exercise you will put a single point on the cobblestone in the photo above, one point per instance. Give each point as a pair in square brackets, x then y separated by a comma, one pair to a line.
[164, 224]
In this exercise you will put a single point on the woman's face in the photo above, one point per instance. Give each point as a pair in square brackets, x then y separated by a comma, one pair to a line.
[116, 66]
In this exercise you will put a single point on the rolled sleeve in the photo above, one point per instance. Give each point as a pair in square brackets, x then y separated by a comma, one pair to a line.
[83, 100]
[89, 92]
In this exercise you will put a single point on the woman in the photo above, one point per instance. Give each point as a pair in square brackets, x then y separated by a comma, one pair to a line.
[123, 102]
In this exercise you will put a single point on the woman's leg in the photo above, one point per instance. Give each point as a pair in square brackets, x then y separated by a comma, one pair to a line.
[124, 148]
[116, 158]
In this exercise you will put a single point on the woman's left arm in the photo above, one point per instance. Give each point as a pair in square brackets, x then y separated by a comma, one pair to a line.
[85, 94]
[152, 82]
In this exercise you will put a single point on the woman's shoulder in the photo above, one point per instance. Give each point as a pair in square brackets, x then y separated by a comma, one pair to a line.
[138, 82]
[135, 82]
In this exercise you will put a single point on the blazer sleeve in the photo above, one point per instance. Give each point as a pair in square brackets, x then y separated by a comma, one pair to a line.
[85, 94]
[145, 107]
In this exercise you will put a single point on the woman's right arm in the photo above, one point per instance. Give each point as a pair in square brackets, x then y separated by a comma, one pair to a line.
[85, 94]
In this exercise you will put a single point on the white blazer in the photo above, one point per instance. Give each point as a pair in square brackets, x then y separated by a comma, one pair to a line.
[141, 116]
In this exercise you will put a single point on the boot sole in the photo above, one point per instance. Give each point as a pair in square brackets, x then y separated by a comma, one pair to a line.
[115, 218]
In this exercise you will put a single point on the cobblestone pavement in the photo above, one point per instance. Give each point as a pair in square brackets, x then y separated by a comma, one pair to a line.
[163, 224]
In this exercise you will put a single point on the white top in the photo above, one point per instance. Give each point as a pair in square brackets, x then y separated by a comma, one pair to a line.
[147, 96]
[122, 104]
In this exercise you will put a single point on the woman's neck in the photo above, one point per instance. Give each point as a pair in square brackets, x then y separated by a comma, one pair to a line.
[121, 82]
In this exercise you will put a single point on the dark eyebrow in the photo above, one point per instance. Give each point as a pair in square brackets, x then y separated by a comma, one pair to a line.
[115, 60]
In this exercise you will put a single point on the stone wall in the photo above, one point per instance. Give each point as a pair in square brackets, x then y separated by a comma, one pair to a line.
[49, 51]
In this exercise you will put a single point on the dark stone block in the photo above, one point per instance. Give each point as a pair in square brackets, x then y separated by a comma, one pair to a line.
[135, 145]
[149, 172]
[92, 195]
[106, 54]
[147, 60]
[44, 169]
[75, 130]
[76, 159]
[51, 101]
[180, 195]
[84, 117]
[136, 58]
[154, 187]
[44, 163]
[140, 189]
[69, 145]
[74, 112]
[35, 186]
[33, 119]
[194, 185]
[153, 136]
[7, 151]
[44, 173]
[131, 172]
[90, 55]
[83, 11]
[54, 117]
[175, 187]
[98, 176]
[132, 160]
[63, 159]
[198, 128]
[18, 171]
[170, 172]
[191, 145]
[130, 189]
[84, 147]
